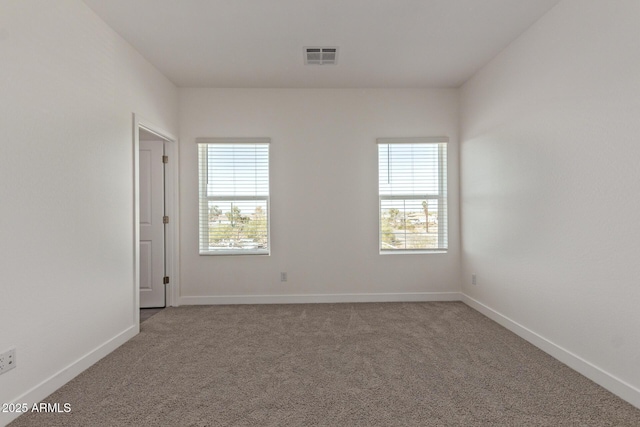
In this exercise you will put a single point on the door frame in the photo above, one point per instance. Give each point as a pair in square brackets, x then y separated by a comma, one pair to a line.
[171, 209]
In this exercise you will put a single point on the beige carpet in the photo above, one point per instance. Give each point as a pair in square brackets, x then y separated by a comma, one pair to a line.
[390, 364]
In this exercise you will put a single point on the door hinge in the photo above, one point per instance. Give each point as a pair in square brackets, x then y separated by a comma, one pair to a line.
[165, 280]
[165, 219]
[165, 159]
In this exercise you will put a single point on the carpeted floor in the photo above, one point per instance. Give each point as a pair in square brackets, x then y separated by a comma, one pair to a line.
[148, 313]
[388, 364]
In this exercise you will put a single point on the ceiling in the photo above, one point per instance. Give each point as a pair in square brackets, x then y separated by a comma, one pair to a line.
[259, 43]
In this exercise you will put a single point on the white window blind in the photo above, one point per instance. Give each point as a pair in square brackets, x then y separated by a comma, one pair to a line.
[412, 182]
[234, 195]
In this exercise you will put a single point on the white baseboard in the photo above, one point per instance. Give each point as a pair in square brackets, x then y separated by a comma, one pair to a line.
[57, 380]
[615, 385]
[321, 298]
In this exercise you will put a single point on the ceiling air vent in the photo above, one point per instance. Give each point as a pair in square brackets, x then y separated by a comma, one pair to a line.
[320, 55]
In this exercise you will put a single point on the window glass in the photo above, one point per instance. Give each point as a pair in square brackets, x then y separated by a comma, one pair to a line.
[412, 194]
[234, 197]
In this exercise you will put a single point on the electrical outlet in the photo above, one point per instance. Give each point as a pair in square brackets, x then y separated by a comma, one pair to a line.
[283, 277]
[473, 279]
[7, 360]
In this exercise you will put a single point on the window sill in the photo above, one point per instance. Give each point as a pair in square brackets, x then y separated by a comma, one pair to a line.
[243, 253]
[413, 252]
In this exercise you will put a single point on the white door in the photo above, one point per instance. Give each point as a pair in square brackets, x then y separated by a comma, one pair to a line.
[152, 248]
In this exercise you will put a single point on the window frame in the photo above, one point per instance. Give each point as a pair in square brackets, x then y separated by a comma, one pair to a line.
[441, 196]
[204, 199]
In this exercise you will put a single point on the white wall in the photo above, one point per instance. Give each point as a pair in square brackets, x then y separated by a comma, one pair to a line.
[323, 193]
[550, 185]
[69, 88]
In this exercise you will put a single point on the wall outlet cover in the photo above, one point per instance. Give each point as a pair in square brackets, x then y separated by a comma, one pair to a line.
[7, 360]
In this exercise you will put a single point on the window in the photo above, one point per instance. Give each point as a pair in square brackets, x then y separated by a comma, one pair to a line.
[412, 183]
[234, 196]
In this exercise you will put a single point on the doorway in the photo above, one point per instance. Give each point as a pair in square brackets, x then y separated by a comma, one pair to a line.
[155, 217]
[153, 221]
